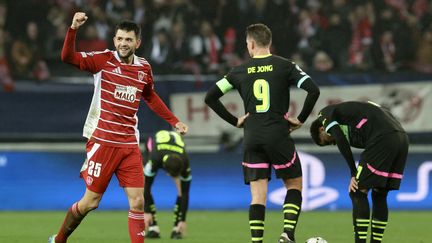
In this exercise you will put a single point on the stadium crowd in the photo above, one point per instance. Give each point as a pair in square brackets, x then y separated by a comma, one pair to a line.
[205, 37]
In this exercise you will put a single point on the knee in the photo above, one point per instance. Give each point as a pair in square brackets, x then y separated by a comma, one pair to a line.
[355, 196]
[379, 194]
[137, 203]
[87, 206]
[295, 183]
[259, 198]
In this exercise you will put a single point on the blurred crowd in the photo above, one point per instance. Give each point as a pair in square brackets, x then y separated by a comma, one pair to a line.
[207, 36]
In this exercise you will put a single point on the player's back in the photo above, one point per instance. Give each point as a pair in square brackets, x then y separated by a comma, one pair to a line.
[264, 85]
[366, 121]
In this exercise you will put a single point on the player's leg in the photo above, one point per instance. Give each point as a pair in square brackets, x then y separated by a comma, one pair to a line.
[131, 177]
[360, 215]
[256, 170]
[76, 214]
[96, 171]
[257, 209]
[287, 166]
[292, 206]
[136, 214]
[379, 214]
[397, 145]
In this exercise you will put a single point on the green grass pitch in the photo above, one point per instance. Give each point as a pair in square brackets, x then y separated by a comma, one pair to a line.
[209, 227]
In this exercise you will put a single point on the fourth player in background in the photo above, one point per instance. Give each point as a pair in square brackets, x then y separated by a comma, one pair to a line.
[264, 86]
[370, 127]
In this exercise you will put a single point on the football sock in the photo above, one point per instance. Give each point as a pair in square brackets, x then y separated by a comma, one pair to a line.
[136, 226]
[72, 220]
[153, 212]
[177, 211]
[360, 215]
[379, 215]
[256, 222]
[291, 211]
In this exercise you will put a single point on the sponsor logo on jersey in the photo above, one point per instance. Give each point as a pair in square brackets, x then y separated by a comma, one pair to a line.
[126, 93]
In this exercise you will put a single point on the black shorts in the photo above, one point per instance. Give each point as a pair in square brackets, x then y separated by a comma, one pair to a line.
[382, 163]
[259, 158]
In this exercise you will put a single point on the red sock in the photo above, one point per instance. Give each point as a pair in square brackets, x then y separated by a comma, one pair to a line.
[72, 220]
[136, 226]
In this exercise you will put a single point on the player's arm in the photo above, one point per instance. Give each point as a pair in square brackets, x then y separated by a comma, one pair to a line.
[85, 61]
[212, 100]
[313, 93]
[155, 103]
[344, 147]
[303, 81]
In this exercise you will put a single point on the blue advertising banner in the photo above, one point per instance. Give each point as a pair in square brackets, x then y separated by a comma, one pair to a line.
[50, 181]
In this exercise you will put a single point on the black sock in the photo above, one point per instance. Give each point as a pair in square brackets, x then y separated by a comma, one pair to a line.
[361, 215]
[177, 212]
[291, 211]
[379, 215]
[153, 212]
[256, 222]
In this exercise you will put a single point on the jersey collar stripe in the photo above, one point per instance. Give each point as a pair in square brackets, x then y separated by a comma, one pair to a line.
[119, 133]
[361, 123]
[123, 76]
[120, 124]
[331, 125]
[301, 81]
[383, 173]
[117, 114]
[256, 166]
[127, 107]
[278, 167]
[111, 141]
[112, 64]
[104, 80]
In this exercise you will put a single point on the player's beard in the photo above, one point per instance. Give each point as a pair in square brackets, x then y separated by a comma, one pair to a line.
[129, 53]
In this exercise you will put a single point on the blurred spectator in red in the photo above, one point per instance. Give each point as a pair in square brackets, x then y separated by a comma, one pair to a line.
[359, 49]
[206, 48]
[5, 76]
[229, 54]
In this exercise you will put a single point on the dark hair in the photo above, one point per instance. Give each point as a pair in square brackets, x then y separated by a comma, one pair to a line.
[315, 131]
[129, 26]
[173, 164]
[260, 33]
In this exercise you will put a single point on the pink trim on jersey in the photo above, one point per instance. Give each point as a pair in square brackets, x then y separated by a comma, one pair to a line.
[384, 174]
[256, 166]
[278, 167]
[361, 123]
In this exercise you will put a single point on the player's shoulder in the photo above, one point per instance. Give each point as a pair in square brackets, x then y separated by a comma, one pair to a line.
[106, 52]
[283, 61]
[143, 61]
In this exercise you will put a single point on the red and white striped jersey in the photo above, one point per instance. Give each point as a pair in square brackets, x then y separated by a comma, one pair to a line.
[118, 88]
